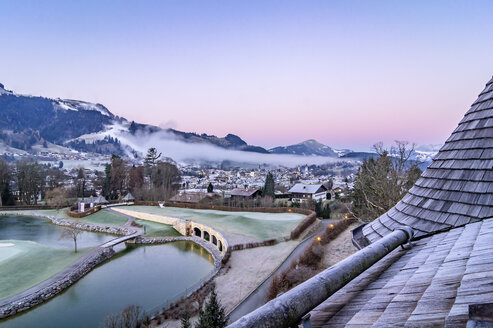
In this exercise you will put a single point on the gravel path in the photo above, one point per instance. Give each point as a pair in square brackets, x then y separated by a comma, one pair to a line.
[258, 297]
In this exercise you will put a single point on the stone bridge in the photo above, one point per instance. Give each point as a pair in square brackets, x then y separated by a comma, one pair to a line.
[208, 234]
[185, 227]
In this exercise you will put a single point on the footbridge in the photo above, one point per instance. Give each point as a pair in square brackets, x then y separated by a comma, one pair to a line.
[119, 240]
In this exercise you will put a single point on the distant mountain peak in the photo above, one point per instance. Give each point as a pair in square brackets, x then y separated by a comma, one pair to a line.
[310, 147]
[76, 105]
[4, 91]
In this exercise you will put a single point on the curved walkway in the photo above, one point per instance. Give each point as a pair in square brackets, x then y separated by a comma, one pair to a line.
[258, 297]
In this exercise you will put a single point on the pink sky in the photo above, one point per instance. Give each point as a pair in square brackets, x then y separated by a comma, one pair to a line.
[348, 74]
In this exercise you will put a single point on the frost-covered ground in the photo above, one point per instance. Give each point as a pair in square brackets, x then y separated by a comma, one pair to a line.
[24, 264]
[32, 249]
[253, 225]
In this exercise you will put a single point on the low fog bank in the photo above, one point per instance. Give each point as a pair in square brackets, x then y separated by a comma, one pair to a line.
[181, 151]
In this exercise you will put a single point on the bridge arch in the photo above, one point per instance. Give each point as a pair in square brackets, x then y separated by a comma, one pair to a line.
[197, 232]
[220, 246]
[207, 236]
[214, 240]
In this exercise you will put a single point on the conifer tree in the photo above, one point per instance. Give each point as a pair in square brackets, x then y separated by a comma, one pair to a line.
[210, 188]
[185, 320]
[213, 316]
[326, 212]
[269, 186]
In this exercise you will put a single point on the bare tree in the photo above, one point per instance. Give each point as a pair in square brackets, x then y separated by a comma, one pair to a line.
[71, 233]
[381, 182]
[58, 197]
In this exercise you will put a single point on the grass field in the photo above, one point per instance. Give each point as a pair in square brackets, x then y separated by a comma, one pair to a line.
[24, 264]
[154, 229]
[256, 225]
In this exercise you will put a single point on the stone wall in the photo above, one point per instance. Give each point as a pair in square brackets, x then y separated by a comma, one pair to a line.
[55, 284]
[114, 230]
[149, 217]
[73, 213]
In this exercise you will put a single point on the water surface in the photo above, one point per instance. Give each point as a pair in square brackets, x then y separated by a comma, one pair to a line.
[148, 276]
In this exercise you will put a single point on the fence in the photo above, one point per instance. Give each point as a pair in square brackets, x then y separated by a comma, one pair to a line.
[78, 215]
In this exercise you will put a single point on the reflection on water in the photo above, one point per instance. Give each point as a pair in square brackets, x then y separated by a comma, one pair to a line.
[147, 276]
[41, 230]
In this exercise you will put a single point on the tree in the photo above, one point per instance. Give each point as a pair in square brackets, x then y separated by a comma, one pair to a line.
[213, 316]
[58, 197]
[381, 182]
[318, 208]
[105, 186]
[326, 212]
[30, 181]
[118, 176]
[151, 160]
[6, 197]
[269, 187]
[135, 178]
[185, 320]
[210, 188]
[81, 182]
[165, 179]
[131, 317]
[60, 165]
[71, 233]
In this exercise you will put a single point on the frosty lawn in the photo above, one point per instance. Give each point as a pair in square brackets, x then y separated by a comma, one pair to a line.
[27, 263]
[259, 226]
[154, 229]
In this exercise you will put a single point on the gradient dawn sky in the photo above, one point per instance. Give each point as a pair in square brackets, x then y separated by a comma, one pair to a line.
[347, 73]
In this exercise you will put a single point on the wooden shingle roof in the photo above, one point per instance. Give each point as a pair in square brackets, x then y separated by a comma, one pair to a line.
[429, 285]
[457, 188]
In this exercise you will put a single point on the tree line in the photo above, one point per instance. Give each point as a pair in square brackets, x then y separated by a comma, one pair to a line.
[157, 179]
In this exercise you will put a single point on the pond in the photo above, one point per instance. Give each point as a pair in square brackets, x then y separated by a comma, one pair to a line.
[148, 276]
[32, 249]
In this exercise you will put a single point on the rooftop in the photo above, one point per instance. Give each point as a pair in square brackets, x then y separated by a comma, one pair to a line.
[431, 284]
[457, 188]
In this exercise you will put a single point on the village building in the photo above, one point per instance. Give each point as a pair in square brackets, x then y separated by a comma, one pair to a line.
[239, 194]
[90, 202]
[128, 198]
[195, 198]
[302, 192]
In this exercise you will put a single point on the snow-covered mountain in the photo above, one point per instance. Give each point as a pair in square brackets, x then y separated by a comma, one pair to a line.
[26, 121]
[306, 148]
[29, 121]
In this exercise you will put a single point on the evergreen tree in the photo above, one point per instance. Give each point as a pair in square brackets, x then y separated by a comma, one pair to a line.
[210, 188]
[185, 320]
[326, 212]
[107, 180]
[318, 208]
[269, 186]
[151, 160]
[213, 316]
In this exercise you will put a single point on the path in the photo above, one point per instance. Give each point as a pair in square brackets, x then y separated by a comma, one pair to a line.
[258, 297]
[130, 218]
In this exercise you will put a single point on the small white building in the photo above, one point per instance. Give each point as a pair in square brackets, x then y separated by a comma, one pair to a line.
[301, 192]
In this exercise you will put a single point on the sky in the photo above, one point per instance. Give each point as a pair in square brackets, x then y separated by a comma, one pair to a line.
[346, 73]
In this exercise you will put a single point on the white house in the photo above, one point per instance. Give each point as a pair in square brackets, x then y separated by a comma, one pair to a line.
[302, 192]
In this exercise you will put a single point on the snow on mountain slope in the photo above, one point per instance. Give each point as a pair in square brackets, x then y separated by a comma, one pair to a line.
[76, 105]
